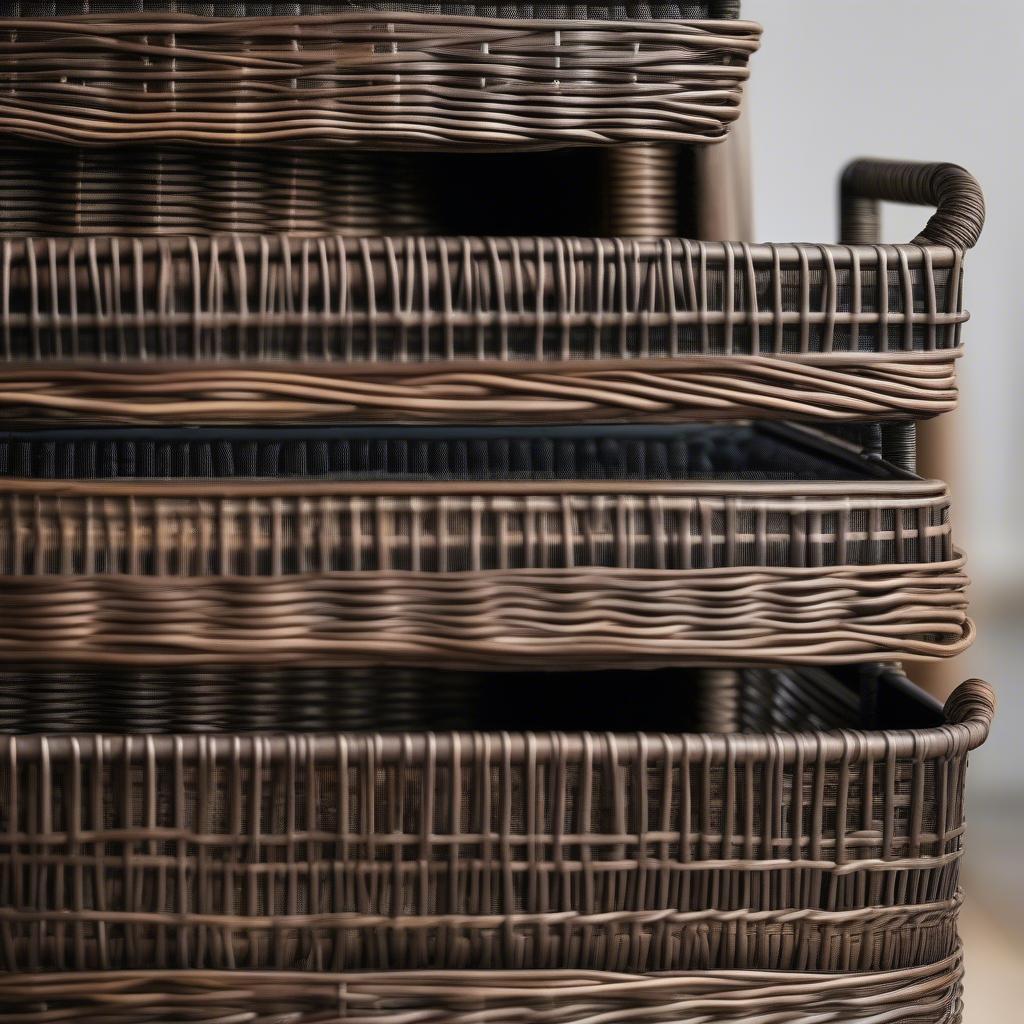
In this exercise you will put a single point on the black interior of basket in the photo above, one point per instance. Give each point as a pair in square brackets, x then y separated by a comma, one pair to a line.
[562, 193]
[694, 452]
[128, 190]
[386, 700]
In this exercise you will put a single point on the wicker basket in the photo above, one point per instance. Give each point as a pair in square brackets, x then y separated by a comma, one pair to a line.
[921, 995]
[660, 9]
[396, 80]
[758, 545]
[820, 829]
[278, 328]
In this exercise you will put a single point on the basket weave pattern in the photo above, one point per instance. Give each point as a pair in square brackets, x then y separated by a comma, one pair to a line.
[618, 852]
[434, 329]
[400, 80]
[371, 572]
[231, 790]
[926, 995]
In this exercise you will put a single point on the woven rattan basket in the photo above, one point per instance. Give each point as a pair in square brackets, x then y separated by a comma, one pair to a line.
[817, 826]
[709, 544]
[397, 79]
[261, 328]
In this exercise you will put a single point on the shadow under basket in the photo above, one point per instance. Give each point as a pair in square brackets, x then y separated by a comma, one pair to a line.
[787, 820]
[708, 544]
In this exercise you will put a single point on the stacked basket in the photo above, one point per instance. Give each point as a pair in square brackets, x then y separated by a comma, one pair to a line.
[402, 620]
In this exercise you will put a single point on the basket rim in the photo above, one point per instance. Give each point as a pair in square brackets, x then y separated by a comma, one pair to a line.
[969, 712]
[735, 32]
[936, 255]
[912, 488]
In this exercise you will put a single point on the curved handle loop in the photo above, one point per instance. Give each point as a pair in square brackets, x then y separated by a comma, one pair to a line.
[972, 704]
[960, 204]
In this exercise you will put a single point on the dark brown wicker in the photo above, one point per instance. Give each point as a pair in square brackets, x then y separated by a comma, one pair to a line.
[688, 9]
[921, 995]
[49, 188]
[831, 558]
[403, 80]
[265, 328]
[801, 848]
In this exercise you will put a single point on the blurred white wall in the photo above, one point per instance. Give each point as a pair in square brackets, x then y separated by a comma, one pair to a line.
[928, 80]
[933, 80]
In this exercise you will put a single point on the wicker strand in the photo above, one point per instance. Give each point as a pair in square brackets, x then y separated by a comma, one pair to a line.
[642, 191]
[929, 994]
[521, 619]
[404, 80]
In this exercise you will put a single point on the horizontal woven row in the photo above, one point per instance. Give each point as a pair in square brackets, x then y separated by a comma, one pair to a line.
[788, 850]
[762, 543]
[286, 528]
[629, 11]
[928, 994]
[655, 391]
[278, 328]
[410, 79]
[427, 300]
[595, 619]
[708, 940]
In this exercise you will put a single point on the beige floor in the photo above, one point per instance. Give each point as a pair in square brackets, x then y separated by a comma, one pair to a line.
[994, 959]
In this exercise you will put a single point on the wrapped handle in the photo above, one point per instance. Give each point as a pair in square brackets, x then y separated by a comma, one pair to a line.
[972, 704]
[957, 197]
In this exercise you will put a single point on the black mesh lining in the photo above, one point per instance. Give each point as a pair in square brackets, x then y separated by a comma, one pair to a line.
[708, 452]
[614, 12]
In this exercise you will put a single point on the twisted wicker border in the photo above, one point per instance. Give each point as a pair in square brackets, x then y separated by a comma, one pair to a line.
[595, 618]
[391, 81]
[929, 994]
[654, 391]
[438, 330]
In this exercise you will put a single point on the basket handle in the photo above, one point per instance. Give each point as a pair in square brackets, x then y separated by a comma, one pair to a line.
[956, 195]
[973, 704]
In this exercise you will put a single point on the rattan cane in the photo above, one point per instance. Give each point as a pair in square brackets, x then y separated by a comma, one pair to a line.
[264, 328]
[790, 548]
[830, 842]
[931, 994]
[404, 80]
